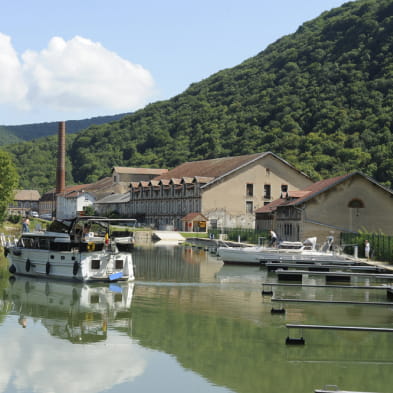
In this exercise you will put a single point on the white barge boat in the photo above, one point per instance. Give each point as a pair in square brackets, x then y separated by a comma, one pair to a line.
[83, 249]
[286, 251]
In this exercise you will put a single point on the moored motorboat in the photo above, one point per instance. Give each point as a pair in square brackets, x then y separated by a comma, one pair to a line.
[286, 251]
[81, 249]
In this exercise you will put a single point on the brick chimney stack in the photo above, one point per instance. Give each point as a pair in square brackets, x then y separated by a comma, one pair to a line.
[60, 171]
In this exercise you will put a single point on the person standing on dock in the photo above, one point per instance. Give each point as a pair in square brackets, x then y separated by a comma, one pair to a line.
[25, 225]
[273, 238]
[367, 249]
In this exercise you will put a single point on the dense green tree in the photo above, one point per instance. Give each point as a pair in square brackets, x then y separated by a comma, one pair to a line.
[321, 98]
[8, 182]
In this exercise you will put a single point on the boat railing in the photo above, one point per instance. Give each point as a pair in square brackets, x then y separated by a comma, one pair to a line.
[7, 240]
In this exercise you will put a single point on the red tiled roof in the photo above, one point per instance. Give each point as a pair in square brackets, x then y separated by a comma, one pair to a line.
[297, 193]
[192, 216]
[209, 168]
[203, 179]
[318, 187]
[139, 171]
[298, 197]
[272, 206]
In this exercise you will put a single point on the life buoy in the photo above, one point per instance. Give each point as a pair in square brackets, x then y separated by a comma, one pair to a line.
[28, 265]
[91, 246]
[75, 268]
[47, 268]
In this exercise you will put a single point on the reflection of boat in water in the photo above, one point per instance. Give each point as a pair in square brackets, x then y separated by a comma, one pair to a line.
[241, 274]
[76, 312]
[82, 249]
[285, 252]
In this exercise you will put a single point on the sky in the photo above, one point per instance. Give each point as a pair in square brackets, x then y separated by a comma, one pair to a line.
[78, 59]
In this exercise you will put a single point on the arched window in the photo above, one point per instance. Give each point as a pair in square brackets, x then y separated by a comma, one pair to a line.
[356, 204]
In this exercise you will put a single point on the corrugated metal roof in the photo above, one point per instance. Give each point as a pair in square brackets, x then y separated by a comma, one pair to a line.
[115, 198]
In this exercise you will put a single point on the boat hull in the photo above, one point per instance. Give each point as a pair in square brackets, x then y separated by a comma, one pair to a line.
[71, 265]
[260, 255]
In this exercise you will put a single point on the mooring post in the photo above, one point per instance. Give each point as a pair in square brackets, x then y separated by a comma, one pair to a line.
[267, 292]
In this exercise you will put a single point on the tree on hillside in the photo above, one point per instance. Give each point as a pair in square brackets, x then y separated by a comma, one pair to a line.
[320, 98]
[8, 182]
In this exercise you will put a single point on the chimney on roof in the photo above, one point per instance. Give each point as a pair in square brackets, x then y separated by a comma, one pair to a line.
[60, 171]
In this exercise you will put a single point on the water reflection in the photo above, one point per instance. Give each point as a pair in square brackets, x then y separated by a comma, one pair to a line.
[43, 320]
[188, 323]
[79, 313]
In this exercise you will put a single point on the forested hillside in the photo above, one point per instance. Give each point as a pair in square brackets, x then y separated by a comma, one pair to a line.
[320, 98]
[28, 132]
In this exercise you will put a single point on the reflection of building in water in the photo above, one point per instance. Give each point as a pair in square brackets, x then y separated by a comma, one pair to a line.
[79, 313]
[165, 263]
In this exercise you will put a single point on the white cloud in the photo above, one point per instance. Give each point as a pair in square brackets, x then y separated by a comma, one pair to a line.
[78, 75]
[12, 86]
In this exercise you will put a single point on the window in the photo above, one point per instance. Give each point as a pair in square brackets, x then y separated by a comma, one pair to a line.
[284, 187]
[356, 204]
[288, 230]
[249, 207]
[249, 190]
[267, 191]
[213, 224]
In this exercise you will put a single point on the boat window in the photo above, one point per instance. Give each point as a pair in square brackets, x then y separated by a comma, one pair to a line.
[119, 264]
[95, 264]
[27, 242]
[43, 243]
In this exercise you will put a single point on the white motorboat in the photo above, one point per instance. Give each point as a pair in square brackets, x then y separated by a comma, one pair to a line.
[286, 251]
[82, 249]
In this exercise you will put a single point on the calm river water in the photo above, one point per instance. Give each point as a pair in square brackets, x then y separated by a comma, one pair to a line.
[188, 324]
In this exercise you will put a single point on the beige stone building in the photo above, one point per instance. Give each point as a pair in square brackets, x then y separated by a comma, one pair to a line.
[348, 203]
[24, 202]
[226, 191]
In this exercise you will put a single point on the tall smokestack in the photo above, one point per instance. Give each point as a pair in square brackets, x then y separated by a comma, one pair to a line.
[60, 171]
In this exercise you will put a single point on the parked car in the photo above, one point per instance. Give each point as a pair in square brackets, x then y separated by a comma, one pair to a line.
[34, 214]
[46, 216]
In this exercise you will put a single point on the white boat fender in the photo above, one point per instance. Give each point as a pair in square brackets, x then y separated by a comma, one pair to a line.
[75, 268]
[47, 268]
[12, 269]
[28, 265]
